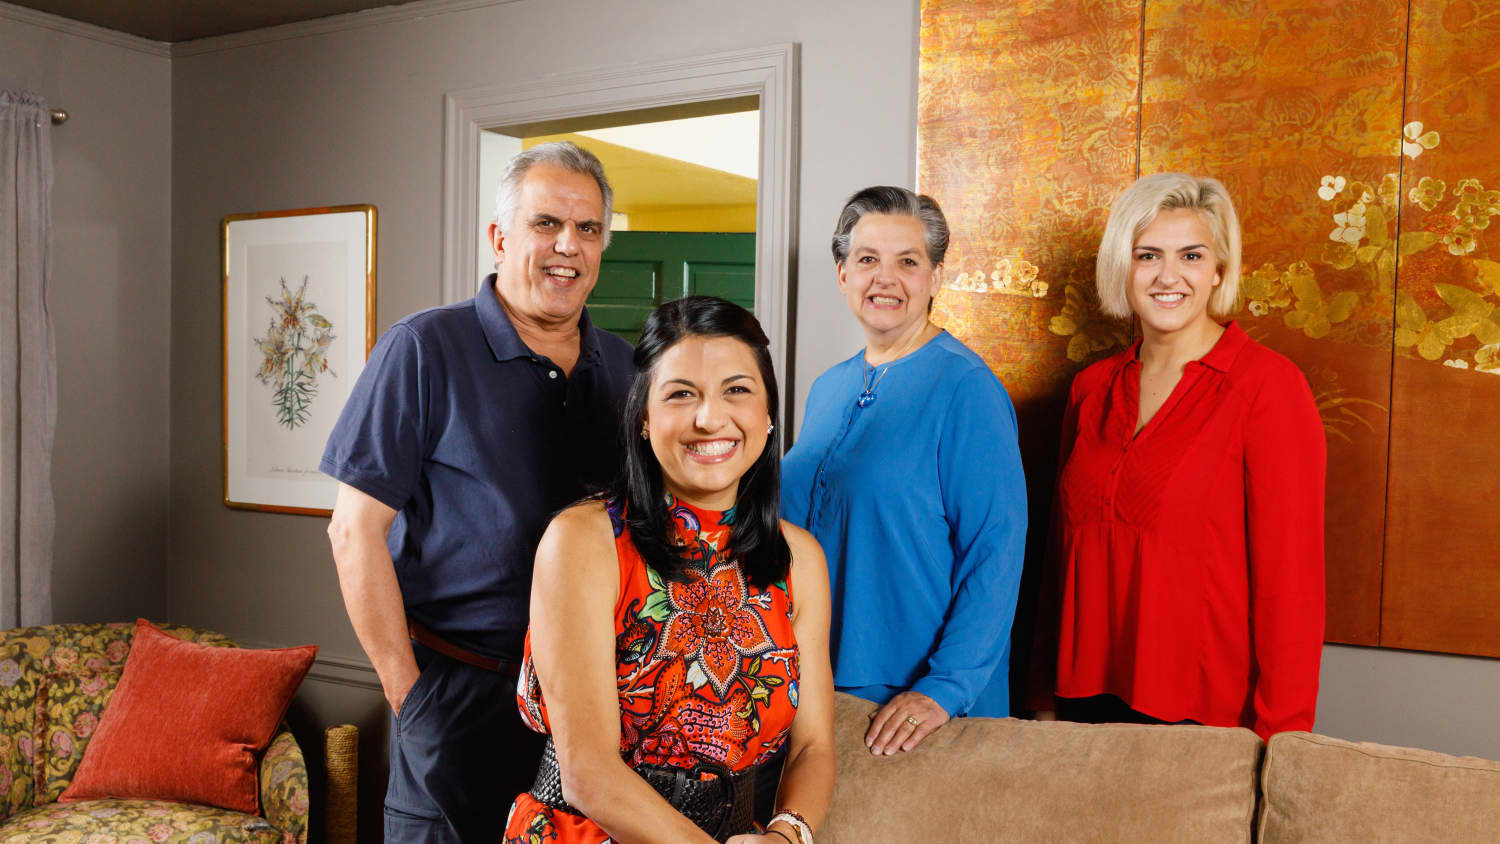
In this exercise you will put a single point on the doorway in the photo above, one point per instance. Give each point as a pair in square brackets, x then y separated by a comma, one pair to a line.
[767, 74]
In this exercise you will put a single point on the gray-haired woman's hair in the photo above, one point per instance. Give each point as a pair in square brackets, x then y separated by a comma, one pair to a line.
[564, 154]
[885, 199]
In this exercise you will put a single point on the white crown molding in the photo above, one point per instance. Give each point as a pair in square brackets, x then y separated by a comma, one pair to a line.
[345, 672]
[339, 670]
[770, 73]
[67, 26]
[334, 23]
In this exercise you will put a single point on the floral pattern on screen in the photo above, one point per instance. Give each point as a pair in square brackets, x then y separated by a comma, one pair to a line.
[1356, 139]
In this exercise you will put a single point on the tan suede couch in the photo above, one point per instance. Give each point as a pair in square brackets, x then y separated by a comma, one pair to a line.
[993, 780]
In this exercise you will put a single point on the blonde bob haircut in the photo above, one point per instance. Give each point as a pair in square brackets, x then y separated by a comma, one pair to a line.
[1138, 206]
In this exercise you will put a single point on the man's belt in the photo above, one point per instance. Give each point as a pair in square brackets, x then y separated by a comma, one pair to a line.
[437, 643]
[721, 806]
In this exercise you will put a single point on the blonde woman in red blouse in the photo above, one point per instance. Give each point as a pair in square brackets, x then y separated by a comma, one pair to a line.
[1188, 525]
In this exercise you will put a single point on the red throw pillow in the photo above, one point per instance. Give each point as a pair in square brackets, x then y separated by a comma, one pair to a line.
[188, 722]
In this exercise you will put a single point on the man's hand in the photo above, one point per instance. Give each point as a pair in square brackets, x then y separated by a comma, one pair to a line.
[400, 687]
[903, 722]
[367, 577]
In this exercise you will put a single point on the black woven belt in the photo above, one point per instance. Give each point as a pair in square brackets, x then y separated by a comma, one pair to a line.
[721, 806]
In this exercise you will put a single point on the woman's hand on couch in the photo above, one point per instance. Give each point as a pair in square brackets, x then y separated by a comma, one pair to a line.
[903, 722]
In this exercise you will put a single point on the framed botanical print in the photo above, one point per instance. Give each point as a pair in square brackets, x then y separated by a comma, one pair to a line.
[298, 321]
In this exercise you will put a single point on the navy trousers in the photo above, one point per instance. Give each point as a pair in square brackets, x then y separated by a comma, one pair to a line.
[459, 755]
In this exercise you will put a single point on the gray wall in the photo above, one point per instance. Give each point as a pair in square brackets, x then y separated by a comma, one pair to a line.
[356, 116]
[110, 300]
[1437, 701]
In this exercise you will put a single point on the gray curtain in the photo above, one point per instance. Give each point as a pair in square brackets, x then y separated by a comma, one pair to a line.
[28, 362]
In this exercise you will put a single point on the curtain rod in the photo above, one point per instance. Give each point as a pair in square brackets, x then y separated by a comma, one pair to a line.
[59, 117]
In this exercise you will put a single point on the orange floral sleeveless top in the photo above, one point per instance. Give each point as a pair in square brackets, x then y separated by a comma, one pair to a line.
[706, 669]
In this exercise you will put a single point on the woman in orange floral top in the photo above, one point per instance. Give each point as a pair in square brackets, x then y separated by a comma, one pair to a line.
[679, 628]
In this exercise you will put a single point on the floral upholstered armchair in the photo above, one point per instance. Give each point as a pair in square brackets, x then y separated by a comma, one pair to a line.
[54, 684]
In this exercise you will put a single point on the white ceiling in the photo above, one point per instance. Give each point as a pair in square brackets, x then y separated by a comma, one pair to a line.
[185, 20]
[728, 142]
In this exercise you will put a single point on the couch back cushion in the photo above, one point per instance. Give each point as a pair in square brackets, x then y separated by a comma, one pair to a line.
[18, 682]
[54, 683]
[1318, 788]
[987, 779]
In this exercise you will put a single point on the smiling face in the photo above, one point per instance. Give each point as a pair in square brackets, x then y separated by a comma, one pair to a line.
[547, 260]
[887, 279]
[1173, 273]
[707, 416]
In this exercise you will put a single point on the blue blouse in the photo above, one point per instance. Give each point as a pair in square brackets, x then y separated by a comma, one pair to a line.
[919, 501]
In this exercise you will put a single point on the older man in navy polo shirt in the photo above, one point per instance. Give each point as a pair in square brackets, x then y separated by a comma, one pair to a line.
[470, 425]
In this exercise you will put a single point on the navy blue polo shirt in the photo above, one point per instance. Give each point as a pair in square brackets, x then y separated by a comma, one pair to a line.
[476, 442]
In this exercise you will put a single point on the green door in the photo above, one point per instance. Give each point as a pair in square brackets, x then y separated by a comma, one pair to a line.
[643, 269]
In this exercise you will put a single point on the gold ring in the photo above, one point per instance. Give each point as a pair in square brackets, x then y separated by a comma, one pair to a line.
[912, 720]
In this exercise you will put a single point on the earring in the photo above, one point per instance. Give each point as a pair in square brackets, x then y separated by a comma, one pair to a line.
[645, 432]
[769, 428]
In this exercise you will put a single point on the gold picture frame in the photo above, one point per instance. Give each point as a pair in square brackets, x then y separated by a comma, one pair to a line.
[298, 322]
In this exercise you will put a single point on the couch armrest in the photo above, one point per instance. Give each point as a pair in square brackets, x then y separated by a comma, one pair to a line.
[283, 787]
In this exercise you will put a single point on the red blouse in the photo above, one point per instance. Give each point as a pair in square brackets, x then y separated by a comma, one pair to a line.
[1189, 558]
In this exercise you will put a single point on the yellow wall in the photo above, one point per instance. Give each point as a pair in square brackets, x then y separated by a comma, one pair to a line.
[658, 193]
[701, 218]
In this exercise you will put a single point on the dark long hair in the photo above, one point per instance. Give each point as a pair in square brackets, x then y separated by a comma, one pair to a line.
[756, 533]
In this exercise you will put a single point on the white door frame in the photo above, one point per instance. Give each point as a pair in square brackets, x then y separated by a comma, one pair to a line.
[770, 73]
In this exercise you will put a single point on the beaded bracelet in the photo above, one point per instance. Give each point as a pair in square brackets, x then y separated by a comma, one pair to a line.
[797, 823]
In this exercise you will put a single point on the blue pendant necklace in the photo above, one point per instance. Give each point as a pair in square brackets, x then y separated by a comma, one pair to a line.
[867, 397]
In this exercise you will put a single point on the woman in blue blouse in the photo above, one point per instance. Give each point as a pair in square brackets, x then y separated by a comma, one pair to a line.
[908, 474]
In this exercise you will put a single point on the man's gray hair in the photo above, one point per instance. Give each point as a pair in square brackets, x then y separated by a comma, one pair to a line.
[885, 199]
[564, 154]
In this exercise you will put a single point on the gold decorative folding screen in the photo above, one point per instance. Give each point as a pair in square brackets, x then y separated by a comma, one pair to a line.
[1360, 140]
